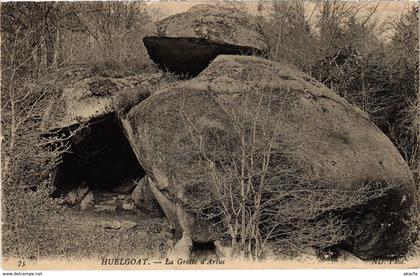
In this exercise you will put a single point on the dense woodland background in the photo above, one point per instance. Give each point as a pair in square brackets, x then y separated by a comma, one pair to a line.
[48, 45]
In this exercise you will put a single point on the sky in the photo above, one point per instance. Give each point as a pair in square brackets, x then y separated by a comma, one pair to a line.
[387, 9]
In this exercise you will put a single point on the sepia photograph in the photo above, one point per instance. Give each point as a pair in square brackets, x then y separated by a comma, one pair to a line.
[179, 135]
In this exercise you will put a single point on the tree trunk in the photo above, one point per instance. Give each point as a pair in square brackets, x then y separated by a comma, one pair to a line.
[56, 47]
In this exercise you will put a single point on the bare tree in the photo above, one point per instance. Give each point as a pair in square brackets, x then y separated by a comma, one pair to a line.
[77, 32]
[28, 156]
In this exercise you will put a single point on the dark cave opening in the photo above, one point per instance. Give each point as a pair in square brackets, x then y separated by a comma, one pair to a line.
[204, 246]
[100, 157]
[202, 250]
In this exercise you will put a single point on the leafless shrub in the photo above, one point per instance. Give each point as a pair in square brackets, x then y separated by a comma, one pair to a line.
[374, 66]
[105, 35]
[28, 156]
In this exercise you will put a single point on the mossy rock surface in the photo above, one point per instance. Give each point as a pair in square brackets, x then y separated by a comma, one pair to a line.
[214, 23]
[94, 97]
[321, 133]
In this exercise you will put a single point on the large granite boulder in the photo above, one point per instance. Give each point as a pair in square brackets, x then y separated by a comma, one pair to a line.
[324, 136]
[186, 43]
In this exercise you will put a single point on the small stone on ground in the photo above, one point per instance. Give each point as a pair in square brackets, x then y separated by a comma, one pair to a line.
[128, 206]
[88, 201]
[108, 208]
[113, 224]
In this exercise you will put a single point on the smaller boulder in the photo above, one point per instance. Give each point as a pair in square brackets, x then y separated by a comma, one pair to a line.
[128, 206]
[75, 196]
[143, 197]
[71, 198]
[88, 201]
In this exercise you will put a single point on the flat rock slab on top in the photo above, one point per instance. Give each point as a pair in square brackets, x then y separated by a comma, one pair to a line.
[186, 43]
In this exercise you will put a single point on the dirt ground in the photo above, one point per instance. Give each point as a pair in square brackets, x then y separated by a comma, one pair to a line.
[84, 234]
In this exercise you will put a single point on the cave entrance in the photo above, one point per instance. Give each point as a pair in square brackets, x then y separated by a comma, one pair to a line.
[101, 158]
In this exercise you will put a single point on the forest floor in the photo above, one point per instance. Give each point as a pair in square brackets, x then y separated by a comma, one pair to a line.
[75, 235]
[115, 228]
[118, 234]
